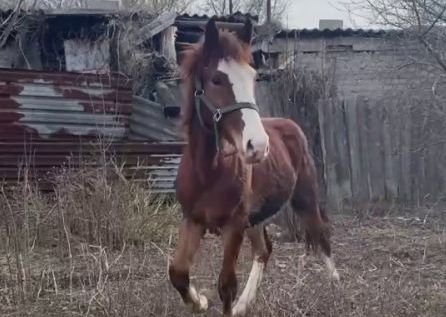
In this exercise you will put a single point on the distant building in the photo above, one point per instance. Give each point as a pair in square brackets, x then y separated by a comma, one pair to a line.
[376, 126]
[330, 24]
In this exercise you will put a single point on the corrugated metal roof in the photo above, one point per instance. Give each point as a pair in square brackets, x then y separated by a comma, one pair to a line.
[235, 17]
[332, 33]
[42, 105]
[191, 27]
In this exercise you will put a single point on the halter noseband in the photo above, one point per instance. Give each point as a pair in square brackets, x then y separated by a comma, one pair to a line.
[217, 112]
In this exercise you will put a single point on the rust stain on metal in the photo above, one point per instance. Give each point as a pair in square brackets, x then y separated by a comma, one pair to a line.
[44, 105]
[51, 120]
[154, 164]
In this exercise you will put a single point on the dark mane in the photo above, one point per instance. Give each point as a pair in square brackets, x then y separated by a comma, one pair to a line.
[192, 62]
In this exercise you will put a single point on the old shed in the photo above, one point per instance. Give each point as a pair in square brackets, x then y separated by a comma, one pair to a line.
[66, 99]
[79, 84]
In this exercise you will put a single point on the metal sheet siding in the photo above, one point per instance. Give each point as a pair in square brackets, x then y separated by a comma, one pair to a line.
[53, 120]
[148, 122]
[154, 164]
[43, 105]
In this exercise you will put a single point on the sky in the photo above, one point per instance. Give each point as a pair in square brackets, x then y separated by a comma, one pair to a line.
[306, 14]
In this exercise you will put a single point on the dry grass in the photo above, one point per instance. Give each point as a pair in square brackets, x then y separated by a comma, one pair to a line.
[100, 247]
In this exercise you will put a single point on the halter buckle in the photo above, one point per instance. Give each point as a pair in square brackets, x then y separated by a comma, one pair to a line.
[198, 92]
[217, 115]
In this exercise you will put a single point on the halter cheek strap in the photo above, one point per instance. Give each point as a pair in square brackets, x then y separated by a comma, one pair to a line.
[217, 112]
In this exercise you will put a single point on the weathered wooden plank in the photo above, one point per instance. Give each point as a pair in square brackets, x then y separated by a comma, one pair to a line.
[327, 118]
[390, 182]
[405, 158]
[375, 152]
[162, 22]
[324, 116]
[418, 152]
[342, 162]
[351, 118]
[363, 148]
[395, 140]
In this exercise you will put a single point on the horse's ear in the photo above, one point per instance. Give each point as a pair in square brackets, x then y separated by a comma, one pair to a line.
[245, 34]
[211, 36]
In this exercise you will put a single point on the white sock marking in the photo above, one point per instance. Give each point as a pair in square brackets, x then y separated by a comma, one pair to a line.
[331, 268]
[199, 303]
[250, 291]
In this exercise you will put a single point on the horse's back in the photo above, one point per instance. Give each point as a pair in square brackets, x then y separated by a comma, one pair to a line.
[286, 127]
[290, 134]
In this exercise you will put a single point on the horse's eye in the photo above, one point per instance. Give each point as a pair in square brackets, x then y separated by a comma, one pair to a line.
[216, 81]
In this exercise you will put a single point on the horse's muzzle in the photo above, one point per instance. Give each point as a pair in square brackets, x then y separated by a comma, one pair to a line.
[257, 150]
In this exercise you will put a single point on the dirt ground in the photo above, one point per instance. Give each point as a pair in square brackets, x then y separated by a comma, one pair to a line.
[390, 265]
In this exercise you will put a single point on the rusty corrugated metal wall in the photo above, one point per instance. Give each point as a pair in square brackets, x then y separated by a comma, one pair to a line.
[42, 105]
[49, 120]
[153, 164]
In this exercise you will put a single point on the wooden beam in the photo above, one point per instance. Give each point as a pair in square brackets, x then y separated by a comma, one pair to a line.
[156, 26]
[268, 11]
[202, 24]
[168, 43]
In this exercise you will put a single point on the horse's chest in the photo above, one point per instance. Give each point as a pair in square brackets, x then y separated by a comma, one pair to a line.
[216, 203]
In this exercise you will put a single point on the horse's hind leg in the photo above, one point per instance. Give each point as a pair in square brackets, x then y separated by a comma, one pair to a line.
[316, 224]
[262, 248]
[190, 236]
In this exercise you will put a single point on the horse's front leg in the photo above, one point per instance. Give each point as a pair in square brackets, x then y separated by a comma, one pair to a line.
[190, 236]
[261, 249]
[227, 282]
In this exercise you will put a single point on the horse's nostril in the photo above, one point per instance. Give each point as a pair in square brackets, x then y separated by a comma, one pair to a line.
[249, 146]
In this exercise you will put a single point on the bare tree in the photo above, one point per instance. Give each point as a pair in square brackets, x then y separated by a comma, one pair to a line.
[157, 6]
[255, 7]
[424, 20]
[11, 23]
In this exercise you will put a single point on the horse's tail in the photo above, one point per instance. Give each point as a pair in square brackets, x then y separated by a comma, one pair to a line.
[312, 219]
[306, 205]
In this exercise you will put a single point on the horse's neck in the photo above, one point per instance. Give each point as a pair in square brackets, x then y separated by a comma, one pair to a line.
[207, 163]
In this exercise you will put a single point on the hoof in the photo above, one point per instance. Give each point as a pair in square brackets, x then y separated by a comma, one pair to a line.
[239, 310]
[199, 307]
[335, 276]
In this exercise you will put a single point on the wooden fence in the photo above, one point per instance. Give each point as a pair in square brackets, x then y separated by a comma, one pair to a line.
[377, 125]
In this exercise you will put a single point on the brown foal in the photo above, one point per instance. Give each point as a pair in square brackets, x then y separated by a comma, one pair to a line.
[237, 170]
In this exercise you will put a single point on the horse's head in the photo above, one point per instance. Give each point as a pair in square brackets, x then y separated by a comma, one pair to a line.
[225, 83]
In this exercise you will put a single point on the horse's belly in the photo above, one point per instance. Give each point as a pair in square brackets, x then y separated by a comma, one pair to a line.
[271, 191]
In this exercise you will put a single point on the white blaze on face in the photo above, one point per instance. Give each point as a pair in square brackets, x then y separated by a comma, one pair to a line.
[242, 78]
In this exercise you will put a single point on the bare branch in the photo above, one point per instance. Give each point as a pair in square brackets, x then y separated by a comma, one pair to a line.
[10, 23]
[434, 53]
[417, 18]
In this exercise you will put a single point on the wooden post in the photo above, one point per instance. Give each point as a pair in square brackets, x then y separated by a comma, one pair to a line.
[168, 43]
[268, 11]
